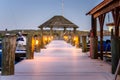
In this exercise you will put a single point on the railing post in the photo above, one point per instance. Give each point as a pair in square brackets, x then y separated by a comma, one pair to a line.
[30, 47]
[8, 54]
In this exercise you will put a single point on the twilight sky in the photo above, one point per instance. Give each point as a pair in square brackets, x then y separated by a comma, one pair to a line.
[29, 14]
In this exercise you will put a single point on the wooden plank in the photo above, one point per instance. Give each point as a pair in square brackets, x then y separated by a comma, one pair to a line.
[116, 18]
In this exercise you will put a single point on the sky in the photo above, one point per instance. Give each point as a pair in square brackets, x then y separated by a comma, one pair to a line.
[29, 14]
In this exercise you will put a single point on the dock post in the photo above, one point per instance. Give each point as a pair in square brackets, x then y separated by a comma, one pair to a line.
[30, 47]
[84, 44]
[8, 54]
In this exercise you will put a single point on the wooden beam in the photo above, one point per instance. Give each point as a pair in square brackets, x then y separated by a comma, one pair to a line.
[116, 18]
[99, 6]
[101, 21]
[107, 8]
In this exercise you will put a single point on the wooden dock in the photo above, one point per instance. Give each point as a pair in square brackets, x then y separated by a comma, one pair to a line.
[61, 61]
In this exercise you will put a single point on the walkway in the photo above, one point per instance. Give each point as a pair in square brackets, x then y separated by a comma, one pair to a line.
[61, 61]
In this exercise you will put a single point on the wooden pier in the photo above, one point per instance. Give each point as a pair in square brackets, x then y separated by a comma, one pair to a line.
[61, 61]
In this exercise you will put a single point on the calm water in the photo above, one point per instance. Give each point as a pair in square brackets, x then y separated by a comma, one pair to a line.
[105, 38]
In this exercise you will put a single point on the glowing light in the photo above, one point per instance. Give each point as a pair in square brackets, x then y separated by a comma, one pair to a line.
[45, 38]
[36, 42]
[110, 28]
[75, 38]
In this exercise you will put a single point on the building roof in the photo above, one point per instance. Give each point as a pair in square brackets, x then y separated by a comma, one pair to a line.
[99, 6]
[58, 22]
[111, 24]
[104, 7]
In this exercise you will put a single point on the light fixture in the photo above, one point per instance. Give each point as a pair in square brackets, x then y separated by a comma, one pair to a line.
[36, 42]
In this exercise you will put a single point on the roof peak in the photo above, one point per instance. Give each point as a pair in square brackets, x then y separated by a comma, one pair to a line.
[58, 21]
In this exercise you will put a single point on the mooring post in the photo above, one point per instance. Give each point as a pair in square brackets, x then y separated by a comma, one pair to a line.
[30, 46]
[8, 54]
[84, 44]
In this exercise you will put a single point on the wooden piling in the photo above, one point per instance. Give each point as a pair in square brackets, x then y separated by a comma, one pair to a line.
[30, 46]
[84, 44]
[8, 54]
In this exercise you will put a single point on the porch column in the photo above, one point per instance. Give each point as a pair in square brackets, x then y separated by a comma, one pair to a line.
[101, 22]
[115, 40]
[93, 39]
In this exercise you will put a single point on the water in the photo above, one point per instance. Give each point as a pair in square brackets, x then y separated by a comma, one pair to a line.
[105, 38]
